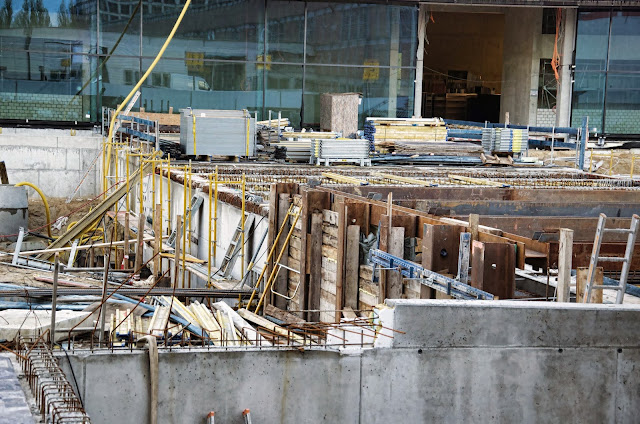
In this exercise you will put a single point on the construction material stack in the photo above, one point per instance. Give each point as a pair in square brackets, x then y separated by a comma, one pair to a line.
[340, 150]
[217, 132]
[404, 134]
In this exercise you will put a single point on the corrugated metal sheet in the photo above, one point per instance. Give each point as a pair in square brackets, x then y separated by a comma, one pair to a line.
[218, 132]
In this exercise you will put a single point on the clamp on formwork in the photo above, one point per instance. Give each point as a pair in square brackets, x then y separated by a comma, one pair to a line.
[427, 277]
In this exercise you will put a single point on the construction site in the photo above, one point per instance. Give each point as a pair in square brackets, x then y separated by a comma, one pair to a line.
[300, 212]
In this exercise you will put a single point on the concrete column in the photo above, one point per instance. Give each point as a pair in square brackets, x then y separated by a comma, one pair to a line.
[520, 29]
[417, 83]
[393, 61]
[565, 88]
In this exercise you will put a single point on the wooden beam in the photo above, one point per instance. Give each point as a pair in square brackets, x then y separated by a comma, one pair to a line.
[493, 268]
[581, 283]
[440, 247]
[352, 267]
[314, 258]
[4, 178]
[175, 281]
[139, 242]
[394, 278]
[281, 283]
[564, 265]
[340, 259]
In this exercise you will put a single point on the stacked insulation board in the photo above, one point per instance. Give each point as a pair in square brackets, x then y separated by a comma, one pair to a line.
[340, 150]
[505, 140]
[387, 132]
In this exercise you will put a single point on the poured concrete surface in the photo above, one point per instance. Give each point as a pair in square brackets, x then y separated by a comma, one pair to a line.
[32, 323]
[14, 408]
[14, 211]
[494, 361]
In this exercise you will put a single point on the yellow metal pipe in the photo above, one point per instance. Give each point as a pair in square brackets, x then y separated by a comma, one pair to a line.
[194, 133]
[272, 250]
[44, 200]
[215, 217]
[633, 158]
[274, 272]
[185, 228]
[591, 160]
[169, 191]
[145, 76]
[209, 236]
[244, 184]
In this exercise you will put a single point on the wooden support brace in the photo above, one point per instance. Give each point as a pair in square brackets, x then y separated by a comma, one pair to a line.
[564, 265]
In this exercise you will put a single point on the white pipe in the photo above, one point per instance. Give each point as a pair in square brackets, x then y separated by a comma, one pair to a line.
[153, 375]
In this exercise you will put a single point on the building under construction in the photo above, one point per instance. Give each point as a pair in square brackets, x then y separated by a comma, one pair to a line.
[303, 212]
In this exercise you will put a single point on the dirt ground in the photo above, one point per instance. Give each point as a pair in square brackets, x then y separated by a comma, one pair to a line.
[59, 207]
[605, 161]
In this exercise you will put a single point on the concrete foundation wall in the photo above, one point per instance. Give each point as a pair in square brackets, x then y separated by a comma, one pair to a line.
[54, 160]
[493, 361]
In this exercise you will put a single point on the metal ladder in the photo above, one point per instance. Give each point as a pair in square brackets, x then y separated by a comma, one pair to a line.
[231, 255]
[632, 232]
[196, 202]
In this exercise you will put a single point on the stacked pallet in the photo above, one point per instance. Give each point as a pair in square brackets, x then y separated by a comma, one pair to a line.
[386, 132]
[368, 291]
[329, 265]
[295, 249]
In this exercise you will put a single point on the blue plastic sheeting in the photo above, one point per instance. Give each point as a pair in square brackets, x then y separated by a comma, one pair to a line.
[464, 133]
[43, 306]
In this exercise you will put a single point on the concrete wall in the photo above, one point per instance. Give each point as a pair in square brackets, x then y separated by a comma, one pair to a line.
[54, 160]
[457, 361]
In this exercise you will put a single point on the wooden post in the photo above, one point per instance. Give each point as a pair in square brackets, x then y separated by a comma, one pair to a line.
[581, 283]
[175, 280]
[4, 178]
[139, 243]
[340, 259]
[493, 268]
[474, 223]
[282, 282]
[157, 246]
[314, 256]
[396, 248]
[463, 257]
[564, 264]
[352, 267]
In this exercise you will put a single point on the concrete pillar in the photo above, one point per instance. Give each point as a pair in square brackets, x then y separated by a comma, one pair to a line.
[520, 29]
[417, 83]
[394, 61]
[565, 88]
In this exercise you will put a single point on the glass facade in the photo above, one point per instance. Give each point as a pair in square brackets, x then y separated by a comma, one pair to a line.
[63, 60]
[607, 73]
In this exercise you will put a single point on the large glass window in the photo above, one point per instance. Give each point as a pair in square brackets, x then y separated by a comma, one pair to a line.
[607, 77]
[228, 54]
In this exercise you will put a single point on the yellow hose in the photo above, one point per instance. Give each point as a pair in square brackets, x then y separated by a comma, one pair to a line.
[44, 200]
[142, 80]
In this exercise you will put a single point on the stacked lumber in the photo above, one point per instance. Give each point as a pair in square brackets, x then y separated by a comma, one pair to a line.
[446, 148]
[368, 290]
[291, 135]
[329, 265]
[385, 132]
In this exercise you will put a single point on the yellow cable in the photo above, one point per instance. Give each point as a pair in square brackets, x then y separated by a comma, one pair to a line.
[44, 200]
[142, 80]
